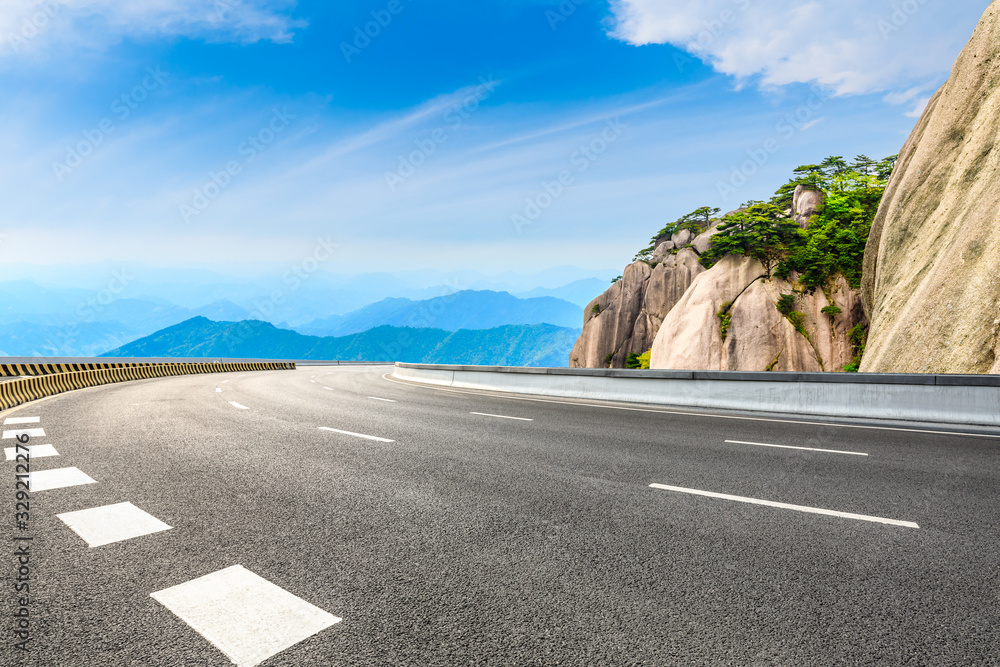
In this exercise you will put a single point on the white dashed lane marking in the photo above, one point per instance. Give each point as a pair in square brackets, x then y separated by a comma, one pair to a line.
[807, 449]
[328, 388]
[113, 523]
[218, 390]
[30, 432]
[34, 452]
[797, 508]
[13, 421]
[486, 414]
[238, 406]
[243, 615]
[384, 400]
[46, 480]
[355, 435]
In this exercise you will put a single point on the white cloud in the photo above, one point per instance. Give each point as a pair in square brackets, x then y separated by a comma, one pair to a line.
[34, 26]
[851, 46]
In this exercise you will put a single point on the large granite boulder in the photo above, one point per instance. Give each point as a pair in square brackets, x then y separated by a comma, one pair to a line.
[736, 295]
[624, 320]
[682, 238]
[703, 242]
[662, 251]
[760, 338]
[805, 204]
[932, 266]
[689, 337]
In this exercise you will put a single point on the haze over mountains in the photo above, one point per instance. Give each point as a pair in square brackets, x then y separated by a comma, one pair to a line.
[75, 319]
[462, 310]
[542, 345]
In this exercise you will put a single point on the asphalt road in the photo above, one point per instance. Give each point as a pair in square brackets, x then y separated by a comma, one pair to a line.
[473, 539]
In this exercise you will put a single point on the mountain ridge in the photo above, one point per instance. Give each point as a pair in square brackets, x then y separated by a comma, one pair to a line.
[541, 345]
[466, 309]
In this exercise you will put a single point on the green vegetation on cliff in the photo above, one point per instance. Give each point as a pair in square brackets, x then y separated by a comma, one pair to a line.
[812, 233]
[833, 242]
[695, 222]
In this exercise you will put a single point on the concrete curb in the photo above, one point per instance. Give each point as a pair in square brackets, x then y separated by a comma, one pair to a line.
[947, 399]
[49, 379]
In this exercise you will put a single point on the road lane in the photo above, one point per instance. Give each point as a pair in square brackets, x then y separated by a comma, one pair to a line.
[505, 542]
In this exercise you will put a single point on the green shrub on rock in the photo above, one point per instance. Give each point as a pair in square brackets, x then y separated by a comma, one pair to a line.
[785, 304]
[831, 310]
[832, 245]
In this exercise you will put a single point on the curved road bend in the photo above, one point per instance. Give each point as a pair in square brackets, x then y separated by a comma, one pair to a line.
[390, 524]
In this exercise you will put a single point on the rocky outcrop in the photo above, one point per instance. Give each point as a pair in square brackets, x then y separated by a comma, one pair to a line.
[703, 242]
[624, 320]
[729, 320]
[690, 335]
[723, 318]
[682, 237]
[932, 265]
[663, 251]
[805, 204]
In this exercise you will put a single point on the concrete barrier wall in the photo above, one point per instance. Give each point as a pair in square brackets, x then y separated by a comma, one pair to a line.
[953, 399]
[48, 382]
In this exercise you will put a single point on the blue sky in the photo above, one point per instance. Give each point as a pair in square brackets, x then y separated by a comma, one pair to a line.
[515, 135]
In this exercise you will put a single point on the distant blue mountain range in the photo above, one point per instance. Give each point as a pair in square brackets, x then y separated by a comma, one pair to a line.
[515, 345]
[580, 292]
[461, 310]
[37, 320]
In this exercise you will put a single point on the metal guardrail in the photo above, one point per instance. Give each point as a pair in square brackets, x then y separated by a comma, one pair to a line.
[17, 367]
[49, 379]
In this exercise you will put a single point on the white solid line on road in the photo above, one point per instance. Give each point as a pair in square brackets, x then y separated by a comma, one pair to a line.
[34, 452]
[797, 508]
[244, 615]
[112, 523]
[238, 406]
[678, 413]
[30, 432]
[484, 414]
[13, 421]
[807, 449]
[45, 480]
[356, 435]
[384, 400]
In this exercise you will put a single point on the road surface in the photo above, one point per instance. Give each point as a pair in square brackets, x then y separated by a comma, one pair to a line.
[381, 523]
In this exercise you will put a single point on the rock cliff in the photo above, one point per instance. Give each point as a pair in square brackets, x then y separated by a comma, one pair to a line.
[931, 281]
[624, 320]
[722, 318]
[729, 320]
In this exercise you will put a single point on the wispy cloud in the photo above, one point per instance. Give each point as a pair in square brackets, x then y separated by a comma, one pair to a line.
[583, 121]
[34, 27]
